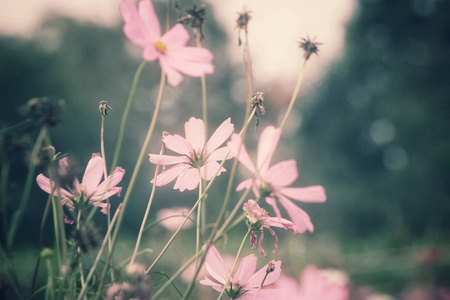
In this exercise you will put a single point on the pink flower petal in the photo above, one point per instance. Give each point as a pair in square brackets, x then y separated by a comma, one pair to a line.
[218, 287]
[177, 36]
[170, 174]
[103, 195]
[220, 154]
[178, 144]
[282, 174]
[244, 184]
[149, 20]
[216, 265]
[268, 142]
[165, 160]
[297, 215]
[92, 175]
[258, 277]
[191, 61]
[219, 136]
[133, 27]
[315, 193]
[235, 144]
[111, 181]
[272, 202]
[245, 269]
[195, 134]
[209, 170]
[46, 185]
[187, 180]
[173, 76]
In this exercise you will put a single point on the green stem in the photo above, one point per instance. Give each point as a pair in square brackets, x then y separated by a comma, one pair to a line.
[199, 211]
[51, 280]
[294, 95]
[134, 176]
[234, 264]
[177, 273]
[126, 112]
[203, 82]
[147, 211]
[17, 216]
[10, 273]
[249, 73]
[3, 195]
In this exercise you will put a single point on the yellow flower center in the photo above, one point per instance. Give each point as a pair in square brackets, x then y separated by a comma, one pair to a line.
[160, 46]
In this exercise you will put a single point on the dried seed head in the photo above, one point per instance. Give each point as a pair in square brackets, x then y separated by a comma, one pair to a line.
[43, 112]
[243, 18]
[270, 266]
[309, 47]
[195, 18]
[257, 102]
[135, 270]
[103, 107]
[87, 237]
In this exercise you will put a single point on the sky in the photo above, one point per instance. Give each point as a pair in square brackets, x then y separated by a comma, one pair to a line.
[274, 31]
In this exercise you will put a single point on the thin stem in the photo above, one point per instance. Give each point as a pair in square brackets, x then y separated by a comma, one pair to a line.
[99, 254]
[17, 217]
[203, 82]
[51, 281]
[41, 235]
[177, 273]
[147, 211]
[234, 264]
[249, 73]
[57, 231]
[10, 273]
[134, 176]
[126, 112]
[199, 211]
[3, 195]
[261, 285]
[105, 175]
[294, 95]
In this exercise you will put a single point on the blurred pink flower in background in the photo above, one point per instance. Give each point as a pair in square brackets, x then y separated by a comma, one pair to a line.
[272, 182]
[172, 218]
[244, 282]
[198, 157]
[314, 284]
[257, 219]
[90, 189]
[142, 28]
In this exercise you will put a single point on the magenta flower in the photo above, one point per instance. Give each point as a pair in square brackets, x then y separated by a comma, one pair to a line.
[244, 282]
[198, 158]
[90, 191]
[142, 28]
[272, 183]
[314, 284]
[257, 219]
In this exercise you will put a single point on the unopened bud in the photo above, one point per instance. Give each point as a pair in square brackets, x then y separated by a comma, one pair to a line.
[103, 107]
[309, 47]
[270, 266]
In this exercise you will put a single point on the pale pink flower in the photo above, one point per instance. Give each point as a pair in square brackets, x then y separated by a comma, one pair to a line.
[90, 191]
[272, 183]
[198, 158]
[142, 28]
[244, 282]
[172, 218]
[314, 284]
[257, 219]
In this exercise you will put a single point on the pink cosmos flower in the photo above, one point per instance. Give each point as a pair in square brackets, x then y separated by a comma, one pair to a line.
[172, 218]
[90, 190]
[314, 284]
[142, 28]
[244, 282]
[198, 158]
[257, 219]
[272, 183]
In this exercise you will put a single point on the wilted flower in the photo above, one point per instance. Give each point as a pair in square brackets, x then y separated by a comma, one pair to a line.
[257, 219]
[142, 28]
[244, 282]
[137, 286]
[43, 112]
[198, 157]
[195, 18]
[86, 237]
[90, 191]
[272, 183]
